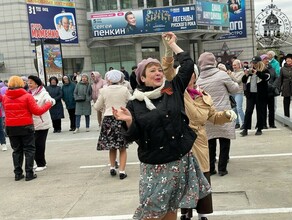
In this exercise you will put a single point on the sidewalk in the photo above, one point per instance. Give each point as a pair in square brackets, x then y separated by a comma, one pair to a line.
[77, 185]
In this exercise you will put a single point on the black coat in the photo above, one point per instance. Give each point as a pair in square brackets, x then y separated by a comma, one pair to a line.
[285, 81]
[262, 85]
[273, 82]
[57, 111]
[163, 134]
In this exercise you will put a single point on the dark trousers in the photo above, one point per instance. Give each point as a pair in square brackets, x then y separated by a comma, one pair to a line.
[271, 107]
[286, 103]
[223, 155]
[40, 144]
[205, 205]
[71, 113]
[260, 103]
[57, 124]
[23, 146]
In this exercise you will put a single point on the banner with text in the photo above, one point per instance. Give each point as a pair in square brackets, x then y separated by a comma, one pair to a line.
[50, 19]
[212, 13]
[143, 21]
[237, 20]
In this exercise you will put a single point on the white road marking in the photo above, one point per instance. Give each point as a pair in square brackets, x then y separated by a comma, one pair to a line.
[231, 157]
[216, 213]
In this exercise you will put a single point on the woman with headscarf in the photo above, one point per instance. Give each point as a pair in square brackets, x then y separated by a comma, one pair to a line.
[42, 123]
[19, 106]
[57, 111]
[199, 109]
[111, 138]
[82, 96]
[219, 85]
[97, 84]
[68, 97]
[155, 118]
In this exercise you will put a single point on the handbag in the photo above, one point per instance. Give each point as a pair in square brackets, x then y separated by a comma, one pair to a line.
[80, 98]
[276, 91]
[232, 101]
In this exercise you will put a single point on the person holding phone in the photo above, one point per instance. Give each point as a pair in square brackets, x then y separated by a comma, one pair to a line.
[256, 80]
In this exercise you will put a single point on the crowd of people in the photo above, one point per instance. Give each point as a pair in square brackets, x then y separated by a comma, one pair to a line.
[175, 113]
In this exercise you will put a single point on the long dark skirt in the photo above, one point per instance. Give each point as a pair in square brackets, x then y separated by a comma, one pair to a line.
[110, 136]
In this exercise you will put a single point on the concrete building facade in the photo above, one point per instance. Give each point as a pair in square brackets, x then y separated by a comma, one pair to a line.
[92, 53]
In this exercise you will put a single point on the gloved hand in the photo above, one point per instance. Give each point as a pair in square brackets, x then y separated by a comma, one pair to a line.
[231, 115]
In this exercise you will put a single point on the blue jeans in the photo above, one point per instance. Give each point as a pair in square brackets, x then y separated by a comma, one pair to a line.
[78, 118]
[238, 110]
[2, 134]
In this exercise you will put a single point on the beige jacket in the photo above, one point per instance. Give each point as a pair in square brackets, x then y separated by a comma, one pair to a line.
[199, 111]
[112, 96]
[236, 76]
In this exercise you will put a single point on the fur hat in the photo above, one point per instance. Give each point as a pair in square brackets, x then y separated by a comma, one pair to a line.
[141, 68]
[36, 79]
[15, 82]
[289, 55]
[114, 76]
[206, 60]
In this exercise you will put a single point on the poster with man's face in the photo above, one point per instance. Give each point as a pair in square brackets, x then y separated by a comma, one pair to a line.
[52, 20]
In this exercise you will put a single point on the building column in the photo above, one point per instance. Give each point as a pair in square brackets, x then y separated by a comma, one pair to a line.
[91, 5]
[138, 51]
[200, 47]
[192, 50]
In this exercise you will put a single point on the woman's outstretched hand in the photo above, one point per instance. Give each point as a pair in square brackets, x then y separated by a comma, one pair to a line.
[170, 39]
[123, 114]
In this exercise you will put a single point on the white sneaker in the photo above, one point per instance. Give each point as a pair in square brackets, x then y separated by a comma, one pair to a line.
[35, 166]
[38, 169]
[87, 129]
[76, 131]
[4, 147]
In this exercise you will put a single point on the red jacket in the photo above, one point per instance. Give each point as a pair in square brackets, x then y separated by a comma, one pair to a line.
[19, 107]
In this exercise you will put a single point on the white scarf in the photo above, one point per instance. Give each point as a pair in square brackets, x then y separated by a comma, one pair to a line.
[146, 96]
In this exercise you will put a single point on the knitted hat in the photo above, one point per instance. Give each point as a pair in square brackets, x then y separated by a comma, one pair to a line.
[36, 79]
[264, 56]
[114, 76]
[24, 78]
[289, 55]
[206, 60]
[15, 82]
[141, 68]
[221, 66]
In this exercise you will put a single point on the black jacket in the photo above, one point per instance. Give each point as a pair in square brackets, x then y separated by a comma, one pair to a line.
[262, 85]
[163, 134]
[273, 82]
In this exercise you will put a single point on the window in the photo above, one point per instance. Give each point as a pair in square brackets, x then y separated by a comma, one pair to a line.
[180, 2]
[125, 4]
[150, 3]
[104, 5]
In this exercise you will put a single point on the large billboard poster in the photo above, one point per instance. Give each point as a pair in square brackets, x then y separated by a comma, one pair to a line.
[143, 21]
[50, 19]
[237, 20]
[212, 13]
[53, 61]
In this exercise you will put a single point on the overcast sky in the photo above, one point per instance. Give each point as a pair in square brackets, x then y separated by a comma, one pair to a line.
[284, 5]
